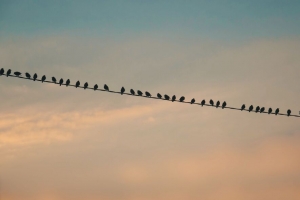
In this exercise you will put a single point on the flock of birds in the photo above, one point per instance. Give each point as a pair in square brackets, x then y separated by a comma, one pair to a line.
[140, 93]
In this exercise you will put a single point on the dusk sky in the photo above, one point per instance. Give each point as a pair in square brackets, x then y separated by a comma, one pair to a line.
[63, 143]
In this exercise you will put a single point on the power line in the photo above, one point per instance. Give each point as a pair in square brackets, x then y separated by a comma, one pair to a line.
[125, 93]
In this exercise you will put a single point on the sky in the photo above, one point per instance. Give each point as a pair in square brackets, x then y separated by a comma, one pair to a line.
[59, 143]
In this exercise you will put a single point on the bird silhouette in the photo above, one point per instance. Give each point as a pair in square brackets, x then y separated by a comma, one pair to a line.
[61, 81]
[54, 79]
[67, 82]
[203, 102]
[224, 104]
[17, 73]
[27, 75]
[182, 99]
[8, 72]
[34, 76]
[211, 102]
[257, 109]
[148, 94]
[173, 98]
[289, 112]
[217, 104]
[95, 87]
[43, 78]
[270, 111]
[193, 101]
[243, 107]
[159, 96]
[132, 91]
[77, 84]
[167, 97]
[106, 87]
[86, 85]
[262, 109]
[122, 90]
[1, 71]
[250, 108]
[277, 111]
[140, 93]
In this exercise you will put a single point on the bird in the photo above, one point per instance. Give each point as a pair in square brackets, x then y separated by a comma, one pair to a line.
[86, 85]
[203, 102]
[61, 81]
[224, 104]
[43, 78]
[167, 97]
[17, 73]
[34, 77]
[270, 111]
[159, 95]
[217, 104]
[262, 109]
[289, 112]
[148, 94]
[182, 99]
[250, 108]
[211, 102]
[132, 92]
[257, 109]
[140, 93]
[67, 82]
[122, 90]
[8, 72]
[192, 101]
[106, 87]
[1, 71]
[276, 111]
[243, 107]
[27, 75]
[173, 98]
[54, 79]
[95, 87]
[77, 84]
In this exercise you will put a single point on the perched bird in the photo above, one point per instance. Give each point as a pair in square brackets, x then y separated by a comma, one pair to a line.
[167, 97]
[61, 81]
[270, 111]
[257, 109]
[106, 87]
[203, 102]
[77, 84]
[243, 107]
[17, 73]
[54, 79]
[262, 109]
[1, 71]
[211, 102]
[217, 104]
[159, 95]
[43, 78]
[289, 112]
[173, 98]
[132, 92]
[67, 82]
[8, 72]
[34, 77]
[86, 85]
[182, 99]
[276, 111]
[27, 75]
[95, 87]
[224, 104]
[148, 94]
[122, 90]
[193, 101]
[140, 93]
[250, 108]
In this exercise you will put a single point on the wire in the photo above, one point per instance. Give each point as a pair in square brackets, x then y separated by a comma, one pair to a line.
[103, 90]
